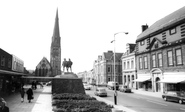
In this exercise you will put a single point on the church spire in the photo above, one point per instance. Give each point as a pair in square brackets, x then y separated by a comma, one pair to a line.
[56, 31]
[55, 53]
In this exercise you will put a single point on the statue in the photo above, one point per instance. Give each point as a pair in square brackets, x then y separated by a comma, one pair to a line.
[67, 64]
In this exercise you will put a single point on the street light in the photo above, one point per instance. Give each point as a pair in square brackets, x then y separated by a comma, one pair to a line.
[115, 91]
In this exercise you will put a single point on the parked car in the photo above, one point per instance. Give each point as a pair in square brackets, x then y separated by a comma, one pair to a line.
[87, 86]
[123, 88]
[48, 83]
[111, 85]
[100, 92]
[175, 96]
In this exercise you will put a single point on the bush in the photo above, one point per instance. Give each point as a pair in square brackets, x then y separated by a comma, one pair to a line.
[79, 103]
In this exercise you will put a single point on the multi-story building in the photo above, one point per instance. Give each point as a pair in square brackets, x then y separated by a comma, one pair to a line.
[104, 68]
[160, 54]
[128, 66]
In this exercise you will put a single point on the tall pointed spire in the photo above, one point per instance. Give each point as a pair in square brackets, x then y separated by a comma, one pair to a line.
[56, 31]
[55, 53]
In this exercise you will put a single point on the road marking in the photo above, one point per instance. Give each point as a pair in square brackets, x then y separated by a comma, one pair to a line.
[156, 102]
[182, 109]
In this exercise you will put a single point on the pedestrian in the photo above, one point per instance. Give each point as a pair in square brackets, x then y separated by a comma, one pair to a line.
[22, 95]
[3, 107]
[29, 94]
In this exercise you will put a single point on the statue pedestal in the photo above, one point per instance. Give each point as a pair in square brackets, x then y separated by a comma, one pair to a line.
[67, 82]
[67, 75]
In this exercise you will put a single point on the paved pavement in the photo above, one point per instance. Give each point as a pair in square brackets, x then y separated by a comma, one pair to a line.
[43, 98]
[40, 103]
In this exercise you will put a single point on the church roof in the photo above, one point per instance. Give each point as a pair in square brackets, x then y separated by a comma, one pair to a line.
[164, 23]
[44, 63]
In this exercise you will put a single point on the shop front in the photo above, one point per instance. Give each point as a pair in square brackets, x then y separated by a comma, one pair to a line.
[144, 83]
[173, 81]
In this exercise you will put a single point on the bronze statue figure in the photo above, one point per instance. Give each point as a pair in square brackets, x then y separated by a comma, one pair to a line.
[67, 64]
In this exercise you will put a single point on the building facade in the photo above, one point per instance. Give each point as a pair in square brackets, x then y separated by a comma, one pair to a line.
[55, 51]
[160, 54]
[43, 69]
[104, 68]
[128, 66]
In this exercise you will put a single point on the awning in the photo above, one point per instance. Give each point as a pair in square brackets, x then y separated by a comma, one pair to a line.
[142, 79]
[172, 80]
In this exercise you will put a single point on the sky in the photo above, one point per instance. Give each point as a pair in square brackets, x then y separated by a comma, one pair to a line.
[86, 27]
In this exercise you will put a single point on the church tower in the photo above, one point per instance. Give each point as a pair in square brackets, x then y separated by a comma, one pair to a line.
[55, 51]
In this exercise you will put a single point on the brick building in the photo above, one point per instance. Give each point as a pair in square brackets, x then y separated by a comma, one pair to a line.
[104, 68]
[160, 54]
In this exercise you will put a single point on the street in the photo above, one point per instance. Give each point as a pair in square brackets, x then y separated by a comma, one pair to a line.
[142, 103]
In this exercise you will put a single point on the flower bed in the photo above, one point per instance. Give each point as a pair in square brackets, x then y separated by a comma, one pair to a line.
[78, 103]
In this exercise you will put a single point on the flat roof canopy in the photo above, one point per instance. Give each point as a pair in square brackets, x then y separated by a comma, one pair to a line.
[142, 79]
[173, 80]
[12, 73]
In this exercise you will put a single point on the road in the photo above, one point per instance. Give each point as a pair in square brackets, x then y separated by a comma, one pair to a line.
[142, 103]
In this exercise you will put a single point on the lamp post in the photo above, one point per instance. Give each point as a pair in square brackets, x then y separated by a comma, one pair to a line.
[115, 91]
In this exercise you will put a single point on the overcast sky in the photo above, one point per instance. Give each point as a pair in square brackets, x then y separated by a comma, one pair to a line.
[86, 27]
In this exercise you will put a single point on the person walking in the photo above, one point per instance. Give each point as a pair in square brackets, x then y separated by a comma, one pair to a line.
[22, 95]
[3, 107]
[29, 94]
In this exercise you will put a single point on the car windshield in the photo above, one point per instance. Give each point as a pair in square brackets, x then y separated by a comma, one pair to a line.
[102, 90]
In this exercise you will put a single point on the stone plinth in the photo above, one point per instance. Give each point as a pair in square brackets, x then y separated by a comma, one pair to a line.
[67, 83]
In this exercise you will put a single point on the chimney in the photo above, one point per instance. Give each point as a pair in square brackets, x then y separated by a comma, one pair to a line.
[144, 27]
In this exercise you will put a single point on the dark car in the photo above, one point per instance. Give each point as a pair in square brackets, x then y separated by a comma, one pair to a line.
[123, 88]
[100, 92]
[175, 96]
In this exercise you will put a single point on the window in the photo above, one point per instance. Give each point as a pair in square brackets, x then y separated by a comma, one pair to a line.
[178, 56]
[142, 42]
[124, 65]
[132, 64]
[108, 69]
[140, 63]
[160, 64]
[145, 62]
[172, 31]
[2, 61]
[170, 58]
[153, 61]
[128, 65]
[9, 63]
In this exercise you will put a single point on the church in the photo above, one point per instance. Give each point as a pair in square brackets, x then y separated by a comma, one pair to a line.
[52, 68]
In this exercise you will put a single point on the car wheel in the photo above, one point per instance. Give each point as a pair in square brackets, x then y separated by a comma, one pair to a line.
[165, 99]
[180, 101]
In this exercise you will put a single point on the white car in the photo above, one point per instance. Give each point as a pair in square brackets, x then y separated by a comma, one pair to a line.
[100, 92]
[87, 87]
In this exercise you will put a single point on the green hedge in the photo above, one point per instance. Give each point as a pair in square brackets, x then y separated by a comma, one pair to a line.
[68, 96]
[79, 103]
